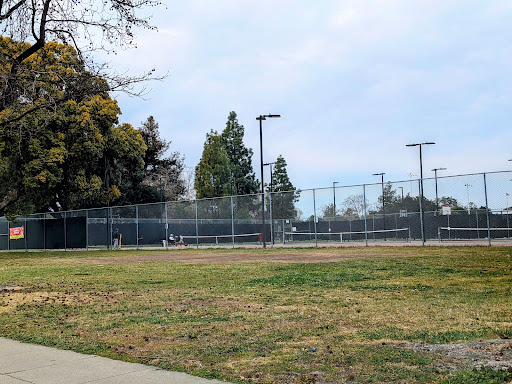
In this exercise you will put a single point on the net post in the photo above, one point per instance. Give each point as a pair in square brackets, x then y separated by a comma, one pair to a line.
[364, 210]
[314, 217]
[487, 211]
[197, 227]
[232, 222]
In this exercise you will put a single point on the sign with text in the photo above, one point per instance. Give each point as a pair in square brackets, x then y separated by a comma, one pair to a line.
[447, 211]
[16, 233]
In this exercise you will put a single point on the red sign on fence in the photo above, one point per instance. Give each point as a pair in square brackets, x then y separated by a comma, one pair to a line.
[16, 233]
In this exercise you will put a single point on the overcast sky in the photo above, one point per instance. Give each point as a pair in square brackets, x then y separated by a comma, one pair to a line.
[354, 80]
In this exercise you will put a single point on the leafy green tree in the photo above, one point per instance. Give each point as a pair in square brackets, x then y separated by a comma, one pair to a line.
[29, 80]
[73, 158]
[283, 203]
[213, 173]
[240, 158]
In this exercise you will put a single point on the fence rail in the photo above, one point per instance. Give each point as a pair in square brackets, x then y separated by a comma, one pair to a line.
[473, 208]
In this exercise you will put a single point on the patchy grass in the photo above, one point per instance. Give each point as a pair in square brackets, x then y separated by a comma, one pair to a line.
[353, 320]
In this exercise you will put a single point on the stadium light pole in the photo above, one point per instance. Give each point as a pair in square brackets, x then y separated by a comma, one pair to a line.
[383, 208]
[421, 184]
[435, 176]
[271, 190]
[261, 118]
[334, 197]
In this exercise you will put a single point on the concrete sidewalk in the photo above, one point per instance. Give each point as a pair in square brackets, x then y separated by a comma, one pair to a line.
[22, 363]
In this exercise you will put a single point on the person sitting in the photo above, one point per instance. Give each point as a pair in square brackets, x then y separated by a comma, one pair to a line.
[172, 240]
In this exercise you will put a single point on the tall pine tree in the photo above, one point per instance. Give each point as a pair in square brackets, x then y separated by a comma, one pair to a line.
[213, 173]
[283, 203]
[240, 157]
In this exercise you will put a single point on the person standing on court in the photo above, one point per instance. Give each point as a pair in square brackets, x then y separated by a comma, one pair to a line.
[115, 238]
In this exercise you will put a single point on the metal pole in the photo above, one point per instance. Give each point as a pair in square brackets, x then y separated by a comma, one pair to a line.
[421, 215]
[487, 212]
[86, 230]
[314, 211]
[197, 229]
[137, 224]
[8, 235]
[506, 209]
[421, 200]
[437, 196]
[365, 224]
[26, 234]
[232, 222]
[262, 184]
[271, 204]
[65, 233]
[166, 229]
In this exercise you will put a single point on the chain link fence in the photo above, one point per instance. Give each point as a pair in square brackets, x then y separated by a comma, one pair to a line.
[464, 209]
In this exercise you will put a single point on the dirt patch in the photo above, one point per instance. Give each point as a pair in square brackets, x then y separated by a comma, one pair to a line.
[494, 353]
[10, 288]
[201, 257]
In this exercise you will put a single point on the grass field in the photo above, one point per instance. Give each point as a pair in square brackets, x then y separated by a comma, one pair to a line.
[349, 315]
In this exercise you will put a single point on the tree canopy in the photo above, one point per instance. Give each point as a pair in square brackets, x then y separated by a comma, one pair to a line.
[32, 72]
[283, 203]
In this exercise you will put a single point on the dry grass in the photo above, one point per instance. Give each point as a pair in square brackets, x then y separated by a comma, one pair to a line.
[351, 318]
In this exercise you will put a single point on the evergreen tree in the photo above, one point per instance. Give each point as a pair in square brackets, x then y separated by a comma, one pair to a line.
[213, 173]
[283, 203]
[240, 157]
[163, 174]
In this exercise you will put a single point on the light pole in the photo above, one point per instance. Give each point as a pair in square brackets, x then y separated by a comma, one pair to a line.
[271, 190]
[402, 188]
[467, 189]
[437, 197]
[261, 118]
[383, 209]
[334, 197]
[421, 184]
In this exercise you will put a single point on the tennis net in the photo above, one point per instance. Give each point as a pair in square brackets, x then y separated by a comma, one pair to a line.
[383, 234]
[223, 240]
[462, 233]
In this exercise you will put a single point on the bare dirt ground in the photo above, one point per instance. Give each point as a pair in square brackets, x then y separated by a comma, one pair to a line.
[239, 256]
[495, 353]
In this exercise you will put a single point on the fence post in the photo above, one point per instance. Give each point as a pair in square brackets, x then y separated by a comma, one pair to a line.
[421, 216]
[166, 229]
[271, 221]
[86, 230]
[314, 217]
[137, 225]
[487, 211]
[232, 222]
[8, 235]
[197, 228]
[365, 223]
[26, 235]
[65, 234]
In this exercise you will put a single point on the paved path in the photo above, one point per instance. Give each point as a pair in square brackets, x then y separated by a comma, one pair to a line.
[22, 363]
